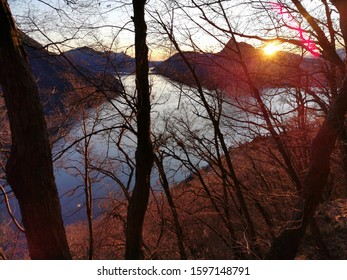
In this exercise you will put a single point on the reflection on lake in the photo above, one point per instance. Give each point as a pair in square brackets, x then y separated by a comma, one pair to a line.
[174, 108]
[179, 120]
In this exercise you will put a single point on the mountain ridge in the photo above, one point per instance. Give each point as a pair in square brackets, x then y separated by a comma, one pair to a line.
[60, 76]
[225, 69]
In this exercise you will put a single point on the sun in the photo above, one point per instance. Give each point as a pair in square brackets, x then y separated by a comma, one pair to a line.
[271, 48]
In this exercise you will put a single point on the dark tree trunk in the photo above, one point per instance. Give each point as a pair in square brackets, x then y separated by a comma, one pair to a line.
[144, 152]
[170, 199]
[88, 192]
[29, 168]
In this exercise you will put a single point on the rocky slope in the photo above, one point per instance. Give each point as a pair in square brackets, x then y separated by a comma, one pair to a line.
[332, 221]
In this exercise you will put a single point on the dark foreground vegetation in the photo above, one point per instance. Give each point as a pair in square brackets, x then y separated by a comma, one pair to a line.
[261, 137]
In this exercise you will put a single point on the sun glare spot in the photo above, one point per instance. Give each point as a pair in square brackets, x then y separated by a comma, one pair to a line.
[271, 48]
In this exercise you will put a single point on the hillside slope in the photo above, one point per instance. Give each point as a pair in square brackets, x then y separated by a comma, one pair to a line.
[59, 78]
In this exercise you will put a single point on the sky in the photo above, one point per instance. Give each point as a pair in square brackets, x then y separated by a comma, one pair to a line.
[107, 25]
[96, 23]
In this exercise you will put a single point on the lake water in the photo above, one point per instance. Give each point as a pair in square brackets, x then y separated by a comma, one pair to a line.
[178, 118]
[174, 108]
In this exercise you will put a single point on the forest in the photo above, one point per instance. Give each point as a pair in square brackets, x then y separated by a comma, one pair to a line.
[180, 129]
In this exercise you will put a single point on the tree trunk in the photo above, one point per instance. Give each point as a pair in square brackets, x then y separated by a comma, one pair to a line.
[88, 192]
[170, 200]
[29, 168]
[144, 152]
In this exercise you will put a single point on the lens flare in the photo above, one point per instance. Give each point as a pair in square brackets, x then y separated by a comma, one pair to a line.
[289, 21]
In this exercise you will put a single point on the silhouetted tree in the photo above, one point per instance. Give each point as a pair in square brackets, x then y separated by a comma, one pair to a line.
[29, 168]
[144, 152]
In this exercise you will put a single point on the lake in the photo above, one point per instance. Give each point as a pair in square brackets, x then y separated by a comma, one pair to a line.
[178, 118]
[174, 106]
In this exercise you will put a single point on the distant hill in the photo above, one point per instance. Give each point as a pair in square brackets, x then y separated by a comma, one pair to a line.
[49, 71]
[223, 70]
[58, 78]
[91, 60]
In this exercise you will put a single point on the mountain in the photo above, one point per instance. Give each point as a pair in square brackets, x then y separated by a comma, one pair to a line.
[59, 79]
[91, 60]
[175, 67]
[50, 72]
[224, 70]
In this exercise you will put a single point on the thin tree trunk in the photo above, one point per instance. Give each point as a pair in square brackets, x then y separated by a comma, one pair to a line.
[144, 152]
[29, 168]
[88, 189]
[178, 228]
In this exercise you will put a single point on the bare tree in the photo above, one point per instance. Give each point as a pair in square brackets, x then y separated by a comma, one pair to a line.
[29, 168]
[144, 153]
